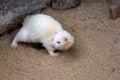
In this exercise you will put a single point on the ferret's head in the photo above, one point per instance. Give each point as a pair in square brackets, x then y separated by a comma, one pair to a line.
[62, 40]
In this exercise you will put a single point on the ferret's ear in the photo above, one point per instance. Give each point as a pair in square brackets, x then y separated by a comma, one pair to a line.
[65, 38]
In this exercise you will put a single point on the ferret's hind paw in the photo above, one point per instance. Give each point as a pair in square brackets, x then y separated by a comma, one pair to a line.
[54, 54]
[14, 45]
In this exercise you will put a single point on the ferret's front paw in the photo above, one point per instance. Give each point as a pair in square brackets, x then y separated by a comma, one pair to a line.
[14, 45]
[54, 54]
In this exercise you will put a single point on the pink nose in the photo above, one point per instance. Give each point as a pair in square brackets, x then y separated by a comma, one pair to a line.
[52, 45]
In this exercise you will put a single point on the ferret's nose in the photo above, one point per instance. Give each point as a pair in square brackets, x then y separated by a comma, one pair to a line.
[52, 45]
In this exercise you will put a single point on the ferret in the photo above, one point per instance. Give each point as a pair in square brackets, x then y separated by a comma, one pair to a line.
[42, 28]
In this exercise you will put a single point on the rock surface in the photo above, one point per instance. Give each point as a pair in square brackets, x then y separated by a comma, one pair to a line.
[13, 11]
[65, 4]
[115, 9]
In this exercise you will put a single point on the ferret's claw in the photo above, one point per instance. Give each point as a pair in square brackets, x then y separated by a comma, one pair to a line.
[14, 45]
[54, 54]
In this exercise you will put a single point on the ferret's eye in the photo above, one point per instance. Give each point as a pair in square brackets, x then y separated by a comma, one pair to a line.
[52, 39]
[58, 42]
[55, 32]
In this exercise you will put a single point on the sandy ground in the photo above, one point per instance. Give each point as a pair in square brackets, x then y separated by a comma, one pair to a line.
[94, 56]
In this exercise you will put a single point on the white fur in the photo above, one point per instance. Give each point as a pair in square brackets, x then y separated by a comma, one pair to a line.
[42, 28]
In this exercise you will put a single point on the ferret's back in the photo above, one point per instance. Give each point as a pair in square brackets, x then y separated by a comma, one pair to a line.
[40, 19]
[39, 26]
[42, 23]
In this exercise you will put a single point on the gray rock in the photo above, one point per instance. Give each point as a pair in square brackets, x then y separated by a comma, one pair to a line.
[12, 12]
[65, 4]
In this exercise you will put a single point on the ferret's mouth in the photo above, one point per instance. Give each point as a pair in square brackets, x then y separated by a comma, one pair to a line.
[52, 45]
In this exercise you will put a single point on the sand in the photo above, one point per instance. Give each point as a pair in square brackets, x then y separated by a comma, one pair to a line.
[94, 56]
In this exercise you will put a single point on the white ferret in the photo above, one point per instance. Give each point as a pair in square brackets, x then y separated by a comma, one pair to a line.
[44, 29]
